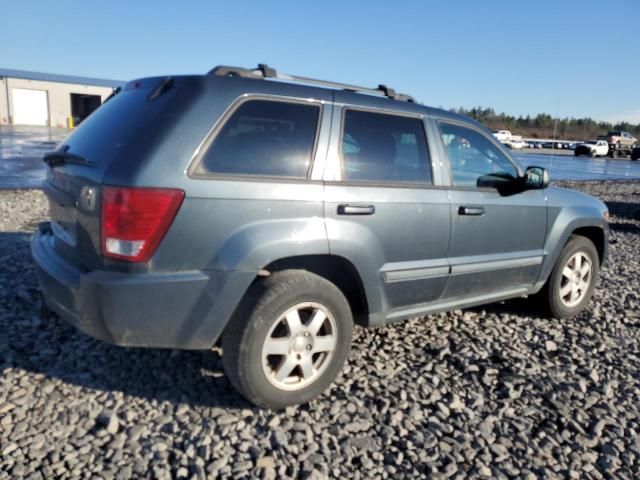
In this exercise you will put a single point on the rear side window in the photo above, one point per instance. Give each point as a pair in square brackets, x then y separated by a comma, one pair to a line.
[265, 138]
[380, 147]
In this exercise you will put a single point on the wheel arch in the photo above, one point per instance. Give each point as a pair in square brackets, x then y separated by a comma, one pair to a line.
[596, 230]
[596, 235]
[336, 269]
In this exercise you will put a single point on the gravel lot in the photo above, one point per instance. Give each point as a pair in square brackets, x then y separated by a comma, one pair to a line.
[498, 391]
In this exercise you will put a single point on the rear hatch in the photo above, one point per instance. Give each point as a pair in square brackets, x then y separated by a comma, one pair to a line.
[114, 133]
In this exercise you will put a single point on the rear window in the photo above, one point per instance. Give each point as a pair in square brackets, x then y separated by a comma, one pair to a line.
[265, 138]
[115, 125]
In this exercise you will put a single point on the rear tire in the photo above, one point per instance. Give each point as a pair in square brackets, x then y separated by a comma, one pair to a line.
[572, 281]
[288, 340]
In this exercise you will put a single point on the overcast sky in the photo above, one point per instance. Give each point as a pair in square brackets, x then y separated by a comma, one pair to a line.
[519, 57]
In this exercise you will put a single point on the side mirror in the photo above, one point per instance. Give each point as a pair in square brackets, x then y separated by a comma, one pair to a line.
[536, 178]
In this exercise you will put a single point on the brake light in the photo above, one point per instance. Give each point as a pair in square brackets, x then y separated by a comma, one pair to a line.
[134, 220]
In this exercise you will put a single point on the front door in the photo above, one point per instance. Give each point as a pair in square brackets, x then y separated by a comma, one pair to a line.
[383, 211]
[497, 240]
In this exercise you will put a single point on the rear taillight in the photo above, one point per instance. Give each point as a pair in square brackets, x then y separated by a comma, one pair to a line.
[134, 220]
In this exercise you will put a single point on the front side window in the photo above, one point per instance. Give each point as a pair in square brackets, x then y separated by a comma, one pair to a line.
[472, 155]
[379, 147]
[265, 138]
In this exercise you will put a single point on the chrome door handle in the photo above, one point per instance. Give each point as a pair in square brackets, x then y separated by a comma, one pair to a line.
[356, 209]
[470, 210]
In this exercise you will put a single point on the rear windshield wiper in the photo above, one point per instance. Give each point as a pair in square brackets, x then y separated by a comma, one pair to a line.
[57, 158]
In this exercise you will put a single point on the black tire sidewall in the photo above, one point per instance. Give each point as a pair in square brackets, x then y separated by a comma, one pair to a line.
[576, 244]
[276, 295]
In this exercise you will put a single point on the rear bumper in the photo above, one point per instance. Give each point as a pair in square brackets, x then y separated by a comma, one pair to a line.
[186, 310]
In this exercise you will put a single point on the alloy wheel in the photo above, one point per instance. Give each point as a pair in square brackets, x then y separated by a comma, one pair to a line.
[299, 346]
[576, 279]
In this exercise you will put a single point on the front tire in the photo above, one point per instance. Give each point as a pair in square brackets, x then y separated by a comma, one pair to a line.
[289, 339]
[570, 285]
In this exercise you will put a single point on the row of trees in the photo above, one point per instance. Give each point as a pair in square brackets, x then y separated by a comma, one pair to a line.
[545, 126]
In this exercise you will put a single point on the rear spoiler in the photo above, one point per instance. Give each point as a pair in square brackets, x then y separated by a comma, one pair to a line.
[116, 91]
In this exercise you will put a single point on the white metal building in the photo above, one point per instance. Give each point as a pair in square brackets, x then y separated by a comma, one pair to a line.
[31, 98]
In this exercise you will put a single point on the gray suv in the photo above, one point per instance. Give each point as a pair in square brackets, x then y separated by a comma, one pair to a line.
[272, 212]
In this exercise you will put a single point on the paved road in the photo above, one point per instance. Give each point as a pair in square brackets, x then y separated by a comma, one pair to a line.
[21, 150]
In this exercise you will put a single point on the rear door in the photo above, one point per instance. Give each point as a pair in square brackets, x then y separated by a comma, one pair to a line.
[384, 211]
[497, 240]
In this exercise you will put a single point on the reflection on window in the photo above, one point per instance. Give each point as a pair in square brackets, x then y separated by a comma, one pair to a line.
[472, 155]
[265, 137]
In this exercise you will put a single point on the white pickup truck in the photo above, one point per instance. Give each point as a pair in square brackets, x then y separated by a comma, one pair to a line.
[592, 148]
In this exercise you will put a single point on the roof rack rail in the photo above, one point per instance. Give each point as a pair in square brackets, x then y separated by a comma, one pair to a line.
[264, 71]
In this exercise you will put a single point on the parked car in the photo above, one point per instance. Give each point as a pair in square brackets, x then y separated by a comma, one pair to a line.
[271, 216]
[635, 153]
[502, 135]
[620, 143]
[621, 140]
[514, 144]
[592, 148]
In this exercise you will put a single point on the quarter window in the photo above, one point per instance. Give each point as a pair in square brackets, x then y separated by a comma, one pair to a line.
[384, 148]
[472, 155]
[265, 138]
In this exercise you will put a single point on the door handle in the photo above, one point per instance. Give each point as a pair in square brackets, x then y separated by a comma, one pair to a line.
[470, 210]
[356, 209]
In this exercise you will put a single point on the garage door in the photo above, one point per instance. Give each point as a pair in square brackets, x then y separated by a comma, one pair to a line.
[29, 107]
